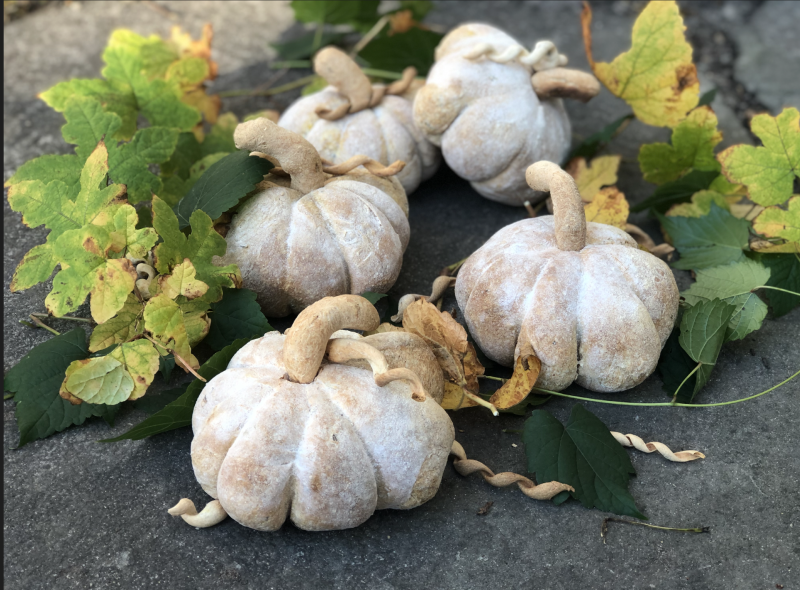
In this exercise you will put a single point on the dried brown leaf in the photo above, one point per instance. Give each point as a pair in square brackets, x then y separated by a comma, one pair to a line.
[516, 389]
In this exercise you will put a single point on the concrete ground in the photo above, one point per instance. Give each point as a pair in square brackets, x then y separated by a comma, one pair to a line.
[79, 514]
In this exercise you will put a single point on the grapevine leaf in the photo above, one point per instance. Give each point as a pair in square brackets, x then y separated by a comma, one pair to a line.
[36, 267]
[100, 380]
[600, 172]
[704, 327]
[714, 239]
[236, 316]
[415, 48]
[42, 204]
[222, 186]
[656, 76]
[124, 326]
[733, 283]
[140, 360]
[769, 171]
[179, 412]
[775, 222]
[182, 281]
[677, 191]
[48, 168]
[583, 455]
[36, 380]
[335, 12]
[87, 124]
[784, 274]
[693, 141]
[164, 319]
[608, 206]
[589, 147]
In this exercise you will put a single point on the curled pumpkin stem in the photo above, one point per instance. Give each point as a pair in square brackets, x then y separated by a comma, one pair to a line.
[372, 166]
[440, 287]
[631, 440]
[545, 491]
[212, 514]
[544, 56]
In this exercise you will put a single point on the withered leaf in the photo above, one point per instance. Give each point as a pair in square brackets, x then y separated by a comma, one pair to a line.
[517, 388]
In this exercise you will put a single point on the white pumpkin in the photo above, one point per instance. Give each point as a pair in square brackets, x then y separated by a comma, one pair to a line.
[381, 127]
[479, 105]
[593, 307]
[317, 235]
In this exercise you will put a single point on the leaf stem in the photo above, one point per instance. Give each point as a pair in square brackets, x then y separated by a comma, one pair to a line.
[371, 34]
[186, 365]
[63, 317]
[685, 379]
[272, 91]
[41, 324]
[8, 396]
[604, 527]
[480, 401]
[291, 63]
[492, 378]
[777, 289]
[317, 37]
[382, 73]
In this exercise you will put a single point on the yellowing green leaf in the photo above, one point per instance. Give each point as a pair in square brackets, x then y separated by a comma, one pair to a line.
[113, 281]
[47, 168]
[774, 222]
[140, 360]
[94, 195]
[600, 172]
[608, 206]
[126, 238]
[693, 141]
[656, 75]
[164, 320]
[182, 281]
[196, 320]
[769, 171]
[124, 326]
[36, 267]
[100, 380]
[42, 204]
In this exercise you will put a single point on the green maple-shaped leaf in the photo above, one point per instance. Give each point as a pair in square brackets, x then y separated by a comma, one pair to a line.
[36, 380]
[774, 222]
[714, 239]
[200, 247]
[46, 169]
[101, 380]
[693, 141]
[733, 283]
[36, 267]
[42, 204]
[141, 361]
[164, 319]
[125, 325]
[769, 171]
[182, 281]
[784, 274]
[126, 238]
[179, 412]
[677, 191]
[704, 328]
[583, 455]
[88, 124]
[237, 316]
[414, 47]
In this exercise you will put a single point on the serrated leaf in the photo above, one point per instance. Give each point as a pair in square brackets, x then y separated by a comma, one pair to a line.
[222, 186]
[182, 281]
[589, 147]
[200, 247]
[48, 168]
[703, 329]
[113, 281]
[195, 318]
[590, 178]
[583, 455]
[656, 75]
[774, 222]
[36, 267]
[769, 171]
[141, 361]
[700, 204]
[220, 137]
[187, 152]
[335, 12]
[125, 325]
[101, 380]
[415, 48]
[692, 147]
[130, 163]
[677, 191]
[236, 316]
[164, 319]
[784, 274]
[88, 124]
[179, 413]
[42, 204]
[36, 380]
[733, 283]
[126, 238]
[94, 195]
[714, 239]
[675, 366]
[608, 206]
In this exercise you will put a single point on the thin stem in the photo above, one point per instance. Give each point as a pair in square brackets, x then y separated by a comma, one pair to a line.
[186, 365]
[604, 527]
[272, 91]
[492, 378]
[291, 63]
[480, 401]
[63, 317]
[300, 63]
[317, 37]
[41, 324]
[777, 289]
[30, 325]
[675, 396]
[382, 73]
[371, 34]
[8, 396]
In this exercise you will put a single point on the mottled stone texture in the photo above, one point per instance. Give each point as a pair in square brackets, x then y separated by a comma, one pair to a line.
[80, 514]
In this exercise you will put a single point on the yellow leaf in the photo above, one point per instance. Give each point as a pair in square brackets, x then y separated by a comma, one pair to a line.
[774, 222]
[765, 247]
[182, 281]
[516, 389]
[455, 397]
[609, 206]
[600, 172]
[656, 75]
[140, 359]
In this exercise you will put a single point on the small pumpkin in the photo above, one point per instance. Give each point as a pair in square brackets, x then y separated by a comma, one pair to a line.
[351, 117]
[315, 234]
[594, 308]
[494, 108]
[283, 433]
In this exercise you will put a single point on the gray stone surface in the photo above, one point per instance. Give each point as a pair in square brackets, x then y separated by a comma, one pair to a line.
[80, 514]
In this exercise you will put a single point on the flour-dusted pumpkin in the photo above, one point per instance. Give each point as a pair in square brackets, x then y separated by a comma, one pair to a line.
[594, 308]
[352, 117]
[316, 234]
[490, 116]
[283, 433]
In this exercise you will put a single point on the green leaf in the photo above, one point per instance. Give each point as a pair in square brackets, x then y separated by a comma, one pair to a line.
[165, 366]
[733, 283]
[130, 163]
[36, 380]
[126, 238]
[714, 239]
[775, 222]
[419, 8]
[187, 152]
[675, 366]
[124, 326]
[304, 47]
[415, 48]
[42, 204]
[222, 186]
[182, 282]
[36, 267]
[707, 98]
[220, 137]
[88, 124]
[589, 147]
[373, 298]
[150, 404]
[769, 171]
[692, 147]
[164, 319]
[46, 169]
[703, 330]
[236, 316]
[179, 412]
[140, 360]
[335, 12]
[101, 380]
[677, 191]
[784, 274]
[583, 455]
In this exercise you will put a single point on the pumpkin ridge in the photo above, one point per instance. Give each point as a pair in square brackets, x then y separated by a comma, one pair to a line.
[379, 211]
[382, 112]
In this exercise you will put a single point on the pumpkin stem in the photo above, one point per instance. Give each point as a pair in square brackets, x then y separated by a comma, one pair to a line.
[570, 219]
[308, 338]
[297, 157]
[440, 287]
[212, 514]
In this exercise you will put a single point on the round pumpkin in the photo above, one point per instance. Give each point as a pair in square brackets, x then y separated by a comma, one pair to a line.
[313, 235]
[283, 433]
[594, 308]
[479, 105]
[381, 126]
